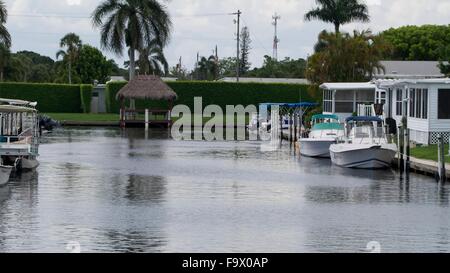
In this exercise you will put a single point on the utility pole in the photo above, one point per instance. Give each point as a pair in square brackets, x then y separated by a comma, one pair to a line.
[238, 21]
[275, 18]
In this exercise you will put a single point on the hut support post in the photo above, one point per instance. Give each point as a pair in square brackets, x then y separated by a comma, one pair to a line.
[122, 112]
[146, 120]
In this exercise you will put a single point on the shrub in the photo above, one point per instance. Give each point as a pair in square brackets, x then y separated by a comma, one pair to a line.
[51, 98]
[221, 93]
[86, 97]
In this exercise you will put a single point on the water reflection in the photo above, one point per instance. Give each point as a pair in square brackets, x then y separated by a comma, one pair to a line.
[146, 189]
[118, 191]
[132, 241]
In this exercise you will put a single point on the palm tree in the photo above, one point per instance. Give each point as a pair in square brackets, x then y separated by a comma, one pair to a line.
[152, 60]
[5, 55]
[213, 66]
[73, 45]
[132, 23]
[339, 12]
[5, 37]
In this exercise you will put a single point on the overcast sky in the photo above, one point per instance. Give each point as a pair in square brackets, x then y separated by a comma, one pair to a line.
[200, 25]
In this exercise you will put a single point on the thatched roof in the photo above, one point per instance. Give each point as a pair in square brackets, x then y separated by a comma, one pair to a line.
[147, 87]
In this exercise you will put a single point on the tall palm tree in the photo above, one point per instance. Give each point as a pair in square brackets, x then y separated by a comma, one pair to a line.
[339, 12]
[72, 43]
[5, 55]
[5, 37]
[132, 23]
[152, 60]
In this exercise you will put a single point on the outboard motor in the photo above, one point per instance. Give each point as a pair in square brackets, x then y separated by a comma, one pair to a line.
[47, 123]
[392, 125]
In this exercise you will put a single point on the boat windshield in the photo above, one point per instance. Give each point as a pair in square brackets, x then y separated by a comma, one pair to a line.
[366, 130]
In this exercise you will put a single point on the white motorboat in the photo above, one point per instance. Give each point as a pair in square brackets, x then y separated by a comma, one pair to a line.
[366, 146]
[325, 131]
[19, 136]
[5, 173]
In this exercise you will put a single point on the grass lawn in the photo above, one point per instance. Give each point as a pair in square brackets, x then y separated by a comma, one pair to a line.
[429, 152]
[83, 117]
[110, 117]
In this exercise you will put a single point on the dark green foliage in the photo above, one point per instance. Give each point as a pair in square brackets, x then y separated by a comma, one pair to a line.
[51, 98]
[92, 65]
[287, 68]
[418, 43]
[86, 97]
[222, 94]
[28, 66]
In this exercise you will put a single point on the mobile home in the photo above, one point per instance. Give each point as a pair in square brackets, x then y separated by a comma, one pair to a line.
[424, 102]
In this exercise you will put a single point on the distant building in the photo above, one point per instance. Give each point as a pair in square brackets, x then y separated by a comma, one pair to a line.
[266, 80]
[117, 79]
[409, 70]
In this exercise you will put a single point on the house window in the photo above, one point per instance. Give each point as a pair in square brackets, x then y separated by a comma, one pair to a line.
[443, 104]
[418, 103]
[412, 102]
[399, 102]
[328, 101]
[425, 103]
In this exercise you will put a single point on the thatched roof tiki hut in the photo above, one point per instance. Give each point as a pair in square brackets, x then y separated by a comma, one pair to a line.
[147, 88]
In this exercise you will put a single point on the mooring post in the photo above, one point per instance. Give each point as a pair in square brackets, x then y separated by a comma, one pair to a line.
[400, 148]
[291, 123]
[449, 145]
[146, 120]
[407, 151]
[441, 159]
[281, 128]
[295, 127]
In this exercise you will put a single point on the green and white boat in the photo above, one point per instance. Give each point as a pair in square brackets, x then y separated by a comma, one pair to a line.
[325, 131]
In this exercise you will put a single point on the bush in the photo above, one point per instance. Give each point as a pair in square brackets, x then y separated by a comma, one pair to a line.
[86, 97]
[221, 93]
[51, 98]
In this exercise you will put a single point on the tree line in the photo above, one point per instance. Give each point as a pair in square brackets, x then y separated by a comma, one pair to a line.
[142, 29]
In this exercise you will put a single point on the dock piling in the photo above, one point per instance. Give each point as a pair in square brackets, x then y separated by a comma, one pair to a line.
[441, 159]
[407, 151]
[400, 148]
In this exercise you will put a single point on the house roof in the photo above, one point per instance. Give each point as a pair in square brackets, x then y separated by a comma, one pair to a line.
[342, 86]
[266, 80]
[147, 87]
[410, 69]
[387, 84]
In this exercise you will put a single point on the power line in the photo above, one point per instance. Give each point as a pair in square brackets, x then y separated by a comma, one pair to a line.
[257, 40]
[71, 16]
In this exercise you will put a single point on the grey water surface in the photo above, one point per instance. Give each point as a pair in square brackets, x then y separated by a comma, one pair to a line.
[114, 191]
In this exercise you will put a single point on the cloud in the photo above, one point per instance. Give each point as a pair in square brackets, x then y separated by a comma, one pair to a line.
[200, 25]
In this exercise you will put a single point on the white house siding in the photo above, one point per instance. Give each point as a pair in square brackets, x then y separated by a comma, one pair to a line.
[437, 126]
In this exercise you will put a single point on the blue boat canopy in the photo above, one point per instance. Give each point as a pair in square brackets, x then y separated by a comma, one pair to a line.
[364, 119]
[324, 116]
[298, 105]
[291, 105]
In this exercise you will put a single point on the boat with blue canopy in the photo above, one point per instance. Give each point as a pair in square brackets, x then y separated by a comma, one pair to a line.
[366, 145]
[325, 130]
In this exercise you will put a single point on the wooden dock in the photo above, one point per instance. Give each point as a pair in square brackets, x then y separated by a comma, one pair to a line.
[425, 167]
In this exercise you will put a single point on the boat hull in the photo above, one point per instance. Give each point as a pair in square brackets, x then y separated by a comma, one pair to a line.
[5, 173]
[370, 157]
[29, 164]
[316, 147]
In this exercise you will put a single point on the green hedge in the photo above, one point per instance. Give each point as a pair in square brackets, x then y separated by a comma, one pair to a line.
[222, 94]
[51, 98]
[86, 97]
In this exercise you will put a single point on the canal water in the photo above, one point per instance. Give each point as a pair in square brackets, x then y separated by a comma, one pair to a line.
[110, 191]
